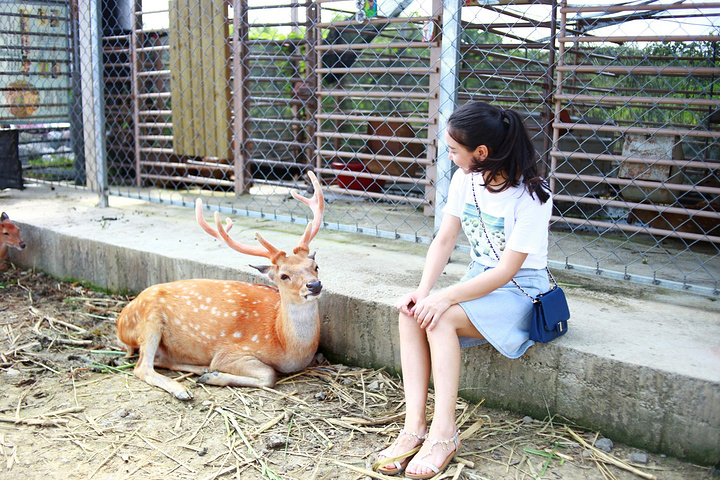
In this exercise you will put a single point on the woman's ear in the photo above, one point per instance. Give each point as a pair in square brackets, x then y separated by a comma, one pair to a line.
[481, 153]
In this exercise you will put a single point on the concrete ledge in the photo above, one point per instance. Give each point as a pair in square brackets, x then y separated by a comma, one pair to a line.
[641, 366]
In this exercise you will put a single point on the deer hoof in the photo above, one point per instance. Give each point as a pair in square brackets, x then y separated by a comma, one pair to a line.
[206, 377]
[184, 395]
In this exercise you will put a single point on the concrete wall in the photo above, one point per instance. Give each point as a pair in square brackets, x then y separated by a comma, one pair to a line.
[620, 370]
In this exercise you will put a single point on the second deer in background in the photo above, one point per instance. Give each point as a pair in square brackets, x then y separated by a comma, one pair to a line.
[230, 332]
[9, 237]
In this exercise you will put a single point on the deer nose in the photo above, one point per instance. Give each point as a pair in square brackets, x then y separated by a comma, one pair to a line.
[314, 287]
[22, 245]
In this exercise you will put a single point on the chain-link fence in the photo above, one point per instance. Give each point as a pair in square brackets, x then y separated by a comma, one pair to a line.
[236, 101]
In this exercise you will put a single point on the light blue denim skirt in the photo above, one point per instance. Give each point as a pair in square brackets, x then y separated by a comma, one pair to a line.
[503, 316]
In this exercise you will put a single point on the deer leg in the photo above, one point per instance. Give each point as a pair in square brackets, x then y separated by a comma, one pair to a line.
[243, 371]
[145, 370]
[182, 367]
[3, 254]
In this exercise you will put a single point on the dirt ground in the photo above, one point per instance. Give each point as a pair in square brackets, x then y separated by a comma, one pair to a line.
[70, 408]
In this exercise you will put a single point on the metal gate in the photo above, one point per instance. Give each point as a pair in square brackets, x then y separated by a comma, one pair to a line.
[236, 101]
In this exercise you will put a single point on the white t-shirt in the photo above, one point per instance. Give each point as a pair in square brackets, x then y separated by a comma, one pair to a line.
[513, 218]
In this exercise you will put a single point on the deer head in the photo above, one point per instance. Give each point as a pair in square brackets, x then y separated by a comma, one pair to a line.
[297, 273]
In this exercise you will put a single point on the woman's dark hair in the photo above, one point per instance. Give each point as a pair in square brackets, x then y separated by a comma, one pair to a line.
[511, 154]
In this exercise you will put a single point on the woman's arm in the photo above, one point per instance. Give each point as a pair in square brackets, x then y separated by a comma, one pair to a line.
[429, 310]
[437, 257]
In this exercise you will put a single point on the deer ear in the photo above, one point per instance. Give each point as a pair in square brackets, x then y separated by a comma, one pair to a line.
[312, 256]
[4, 217]
[262, 268]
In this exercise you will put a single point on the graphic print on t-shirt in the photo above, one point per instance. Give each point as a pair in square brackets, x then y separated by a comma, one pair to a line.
[474, 231]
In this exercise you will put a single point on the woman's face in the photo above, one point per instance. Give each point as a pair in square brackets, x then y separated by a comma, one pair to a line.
[461, 156]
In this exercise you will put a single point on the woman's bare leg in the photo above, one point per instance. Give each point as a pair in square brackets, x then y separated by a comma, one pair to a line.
[445, 355]
[415, 359]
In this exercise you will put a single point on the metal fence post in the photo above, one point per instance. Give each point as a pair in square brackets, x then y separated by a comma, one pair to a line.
[93, 104]
[449, 84]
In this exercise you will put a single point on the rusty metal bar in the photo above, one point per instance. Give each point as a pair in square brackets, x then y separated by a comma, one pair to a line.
[680, 187]
[379, 70]
[643, 70]
[640, 38]
[651, 131]
[710, 165]
[692, 212]
[360, 136]
[705, 102]
[374, 21]
[371, 156]
[637, 229]
[375, 46]
[366, 118]
[637, 7]
[378, 93]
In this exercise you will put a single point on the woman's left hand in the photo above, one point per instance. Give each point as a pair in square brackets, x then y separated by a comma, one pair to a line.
[429, 310]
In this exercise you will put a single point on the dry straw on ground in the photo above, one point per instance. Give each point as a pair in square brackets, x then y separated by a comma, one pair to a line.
[70, 408]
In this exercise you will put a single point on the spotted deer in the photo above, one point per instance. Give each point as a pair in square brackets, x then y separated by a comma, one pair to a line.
[231, 333]
[9, 237]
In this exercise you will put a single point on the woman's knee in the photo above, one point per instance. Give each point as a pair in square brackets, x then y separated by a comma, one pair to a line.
[441, 331]
[407, 323]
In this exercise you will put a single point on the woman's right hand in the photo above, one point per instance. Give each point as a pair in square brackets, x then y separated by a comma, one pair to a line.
[407, 303]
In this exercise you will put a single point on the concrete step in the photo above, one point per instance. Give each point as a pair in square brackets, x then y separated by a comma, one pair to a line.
[639, 364]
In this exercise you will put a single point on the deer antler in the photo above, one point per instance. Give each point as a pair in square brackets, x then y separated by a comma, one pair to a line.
[201, 221]
[317, 206]
[267, 250]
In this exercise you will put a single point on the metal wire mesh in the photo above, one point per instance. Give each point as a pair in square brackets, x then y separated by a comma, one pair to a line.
[236, 101]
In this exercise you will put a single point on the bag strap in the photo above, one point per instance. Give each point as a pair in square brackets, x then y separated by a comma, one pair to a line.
[482, 222]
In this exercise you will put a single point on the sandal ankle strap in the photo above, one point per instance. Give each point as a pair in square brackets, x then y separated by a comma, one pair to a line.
[419, 437]
[445, 444]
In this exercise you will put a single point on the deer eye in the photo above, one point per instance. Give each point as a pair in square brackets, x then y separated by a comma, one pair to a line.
[285, 277]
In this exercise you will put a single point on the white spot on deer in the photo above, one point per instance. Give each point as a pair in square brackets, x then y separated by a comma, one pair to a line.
[255, 338]
[226, 315]
[184, 328]
[208, 299]
[195, 310]
[203, 307]
[256, 314]
[222, 334]
[237, 334]
[267, 336]
[230, 300]
[162, 299]
[189, 303]
[246, 348]
[234, 314]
